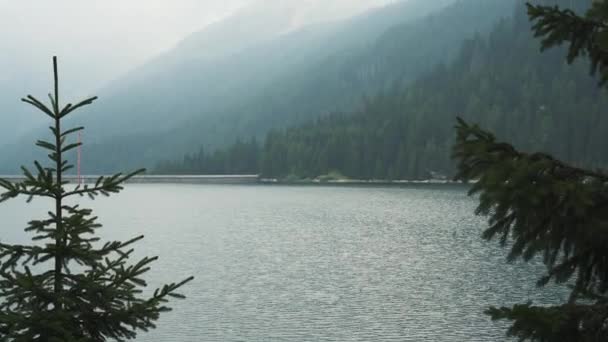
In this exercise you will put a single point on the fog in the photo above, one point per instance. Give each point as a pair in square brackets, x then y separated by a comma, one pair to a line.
[107, 38]
[111, 35]
[99, 41]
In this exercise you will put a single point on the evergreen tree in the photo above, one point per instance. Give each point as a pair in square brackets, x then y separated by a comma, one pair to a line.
[68, 286]
[543, 207]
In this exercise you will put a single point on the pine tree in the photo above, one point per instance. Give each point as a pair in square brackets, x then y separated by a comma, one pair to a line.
[543, 207]
[68, 285]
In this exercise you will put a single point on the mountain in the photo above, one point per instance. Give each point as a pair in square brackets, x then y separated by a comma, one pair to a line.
[214, 72]
[208, 86]
[340, 81]
[255, 71]
[500, 81]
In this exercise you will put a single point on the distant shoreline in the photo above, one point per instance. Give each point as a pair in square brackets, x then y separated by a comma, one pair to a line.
[351, 182]
[249, 179]
[162, 179]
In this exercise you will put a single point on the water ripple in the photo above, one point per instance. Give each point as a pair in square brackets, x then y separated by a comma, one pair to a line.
[319, 263]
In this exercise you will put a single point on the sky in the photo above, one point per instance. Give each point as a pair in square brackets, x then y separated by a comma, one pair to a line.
[114, 36]
[123, 33]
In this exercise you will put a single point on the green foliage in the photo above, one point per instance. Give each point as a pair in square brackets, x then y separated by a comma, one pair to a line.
[542, 207]
[545, 206]
[68, 285]
[585, 35]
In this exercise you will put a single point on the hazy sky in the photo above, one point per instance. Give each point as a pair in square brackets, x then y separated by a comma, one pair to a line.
[117, 35]
[125, 32]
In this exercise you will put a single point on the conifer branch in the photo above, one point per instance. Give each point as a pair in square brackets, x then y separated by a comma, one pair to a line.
[585, 36]
[547, 208]
[34, 102]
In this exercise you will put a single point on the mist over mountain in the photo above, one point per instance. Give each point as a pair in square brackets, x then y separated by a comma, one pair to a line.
[96, 42]
[100, 41]
[224, 74]
[498, 80]
[271, 64]
[233, 61]
[264, 20]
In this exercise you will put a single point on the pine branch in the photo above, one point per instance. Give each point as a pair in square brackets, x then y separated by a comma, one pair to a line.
[34, 102]
[585, 36]
[104, 185]
[69, 108]
[568, 322]
[546, 206]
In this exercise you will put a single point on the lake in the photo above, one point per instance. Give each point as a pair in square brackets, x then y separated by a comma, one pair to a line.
[314, 263]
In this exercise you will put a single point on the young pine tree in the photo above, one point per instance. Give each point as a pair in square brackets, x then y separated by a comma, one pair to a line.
[68, 285]
[545, 207]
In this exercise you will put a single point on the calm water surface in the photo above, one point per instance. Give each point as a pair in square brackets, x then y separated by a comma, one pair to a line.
[282, 263]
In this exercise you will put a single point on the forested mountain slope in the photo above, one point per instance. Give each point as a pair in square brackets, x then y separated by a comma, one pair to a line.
[339, 81]
[201, 87]
[183, 100]
[501, 82]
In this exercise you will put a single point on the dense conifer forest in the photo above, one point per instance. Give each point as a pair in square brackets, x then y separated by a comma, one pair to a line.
[499, 80]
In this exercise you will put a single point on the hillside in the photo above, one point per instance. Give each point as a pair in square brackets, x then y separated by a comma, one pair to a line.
[182, 100]
[333, 78]
[500, 81]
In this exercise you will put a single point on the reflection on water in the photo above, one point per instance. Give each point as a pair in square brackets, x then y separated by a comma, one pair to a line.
[280, 263]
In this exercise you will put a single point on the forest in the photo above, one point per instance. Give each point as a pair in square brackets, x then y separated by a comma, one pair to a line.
[498, 80]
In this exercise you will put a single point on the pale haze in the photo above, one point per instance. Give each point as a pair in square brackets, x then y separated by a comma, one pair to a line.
[105, 39]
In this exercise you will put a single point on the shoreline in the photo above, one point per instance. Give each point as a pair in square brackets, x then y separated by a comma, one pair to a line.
[250, 179]
[358, 182]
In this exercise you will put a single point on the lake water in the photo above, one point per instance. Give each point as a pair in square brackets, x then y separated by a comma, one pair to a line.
[309, 263]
